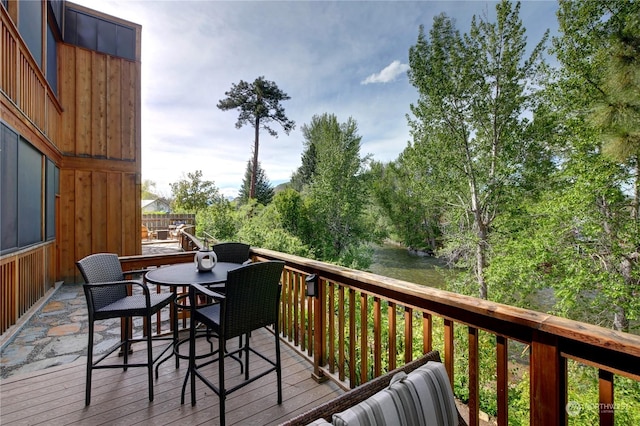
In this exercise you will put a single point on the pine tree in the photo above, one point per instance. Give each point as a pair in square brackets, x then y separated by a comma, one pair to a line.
[263, 189]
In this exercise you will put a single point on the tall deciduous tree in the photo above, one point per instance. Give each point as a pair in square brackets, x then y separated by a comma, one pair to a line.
[193, 194]
[473, 92]
[148, 190]
[263, 188]
[337, 193]
[598, 89]
[581, 236]
[259, 104]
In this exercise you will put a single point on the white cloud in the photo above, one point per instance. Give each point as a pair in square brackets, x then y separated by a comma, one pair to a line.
[389, 73]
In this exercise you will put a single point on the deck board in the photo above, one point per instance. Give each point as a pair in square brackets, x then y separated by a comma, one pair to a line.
[56, 395]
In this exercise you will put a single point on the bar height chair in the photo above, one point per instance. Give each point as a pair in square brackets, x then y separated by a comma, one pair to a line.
[109, 295]
[250, 301]
[232, 252]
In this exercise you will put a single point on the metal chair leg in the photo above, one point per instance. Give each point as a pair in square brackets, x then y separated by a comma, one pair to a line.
[87, 396]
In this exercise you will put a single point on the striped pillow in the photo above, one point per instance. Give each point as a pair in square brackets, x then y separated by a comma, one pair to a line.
[424, 397]
[429, 384]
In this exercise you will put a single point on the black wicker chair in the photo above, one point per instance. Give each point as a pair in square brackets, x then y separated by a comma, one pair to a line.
[251, 301]
[232, 252]
[108, 296]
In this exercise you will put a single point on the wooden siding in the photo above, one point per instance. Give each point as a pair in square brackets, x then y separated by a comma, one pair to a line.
[98, 215]
[91, 131]
[101, 165]
[99, 95]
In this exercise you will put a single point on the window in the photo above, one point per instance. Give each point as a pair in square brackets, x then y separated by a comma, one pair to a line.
[30, 27]
[9, 187]
[29, 194]
[55, 8]
[99, 34]
[52, 182]
[21, 199]
[52, 60]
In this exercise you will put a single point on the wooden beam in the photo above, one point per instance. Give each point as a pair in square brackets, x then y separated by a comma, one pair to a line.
[548, 381]
[474, 379]
[502, 379]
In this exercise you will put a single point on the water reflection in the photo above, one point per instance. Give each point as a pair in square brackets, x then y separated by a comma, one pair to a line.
[397, 262]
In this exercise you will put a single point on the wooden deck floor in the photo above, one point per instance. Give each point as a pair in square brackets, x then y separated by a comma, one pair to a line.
[55, 396]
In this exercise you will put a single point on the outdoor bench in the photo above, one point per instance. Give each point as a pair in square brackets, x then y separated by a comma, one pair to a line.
[417, 393]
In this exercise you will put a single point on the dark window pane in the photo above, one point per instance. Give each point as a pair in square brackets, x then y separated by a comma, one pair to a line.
[106, 37]
[52, 190]
[30, 27]
[126, 42]
[30, 194]
[56, 8]
[99, 34]
[87, 29]
[70, 27]
[8, 189]
[52, 60]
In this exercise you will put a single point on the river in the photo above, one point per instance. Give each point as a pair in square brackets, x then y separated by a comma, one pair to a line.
[397, 262]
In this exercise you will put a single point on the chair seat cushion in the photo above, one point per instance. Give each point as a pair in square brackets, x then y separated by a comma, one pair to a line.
[424, 397]
[209, 315]
[135, 305]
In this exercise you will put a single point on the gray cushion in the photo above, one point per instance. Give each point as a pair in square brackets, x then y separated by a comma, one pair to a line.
[424, 397]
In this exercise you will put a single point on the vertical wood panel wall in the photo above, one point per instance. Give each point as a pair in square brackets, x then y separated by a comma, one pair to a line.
[100, 174]
[93, 127]
[91, 131]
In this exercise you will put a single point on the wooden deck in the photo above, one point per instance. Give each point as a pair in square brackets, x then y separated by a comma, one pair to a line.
[56, 395]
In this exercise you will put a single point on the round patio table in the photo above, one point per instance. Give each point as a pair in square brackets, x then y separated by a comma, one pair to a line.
[182, 275]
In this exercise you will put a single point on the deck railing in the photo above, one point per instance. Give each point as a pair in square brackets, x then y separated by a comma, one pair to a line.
[25, 276]
[340, 331]
[24, 84]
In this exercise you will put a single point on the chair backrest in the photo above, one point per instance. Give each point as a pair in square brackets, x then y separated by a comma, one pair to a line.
[252, 296]
[232, 252]
[100, 268]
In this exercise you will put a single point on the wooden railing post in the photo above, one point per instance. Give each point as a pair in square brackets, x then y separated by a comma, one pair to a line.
[319, 313]
[474, 379]
[502, 379]
[448, 348]
[548, 371]
[606, 402]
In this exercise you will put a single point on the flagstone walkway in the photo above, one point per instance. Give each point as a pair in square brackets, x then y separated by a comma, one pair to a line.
[56, 334]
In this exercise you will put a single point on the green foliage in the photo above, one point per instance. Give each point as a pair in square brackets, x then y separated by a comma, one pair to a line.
[263, 189]
[149, 190]
[218, 220]
[293, 212]
[337, 195]
[303, 176]
[258, 104]
[261, 228]
[192, 194]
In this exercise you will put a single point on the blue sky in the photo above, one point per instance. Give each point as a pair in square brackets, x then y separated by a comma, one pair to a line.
[347, 58]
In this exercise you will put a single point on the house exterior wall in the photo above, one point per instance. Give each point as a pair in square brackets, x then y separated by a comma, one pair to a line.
[82, 115]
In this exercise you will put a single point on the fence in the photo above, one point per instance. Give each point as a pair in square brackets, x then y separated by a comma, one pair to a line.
[157, 221]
